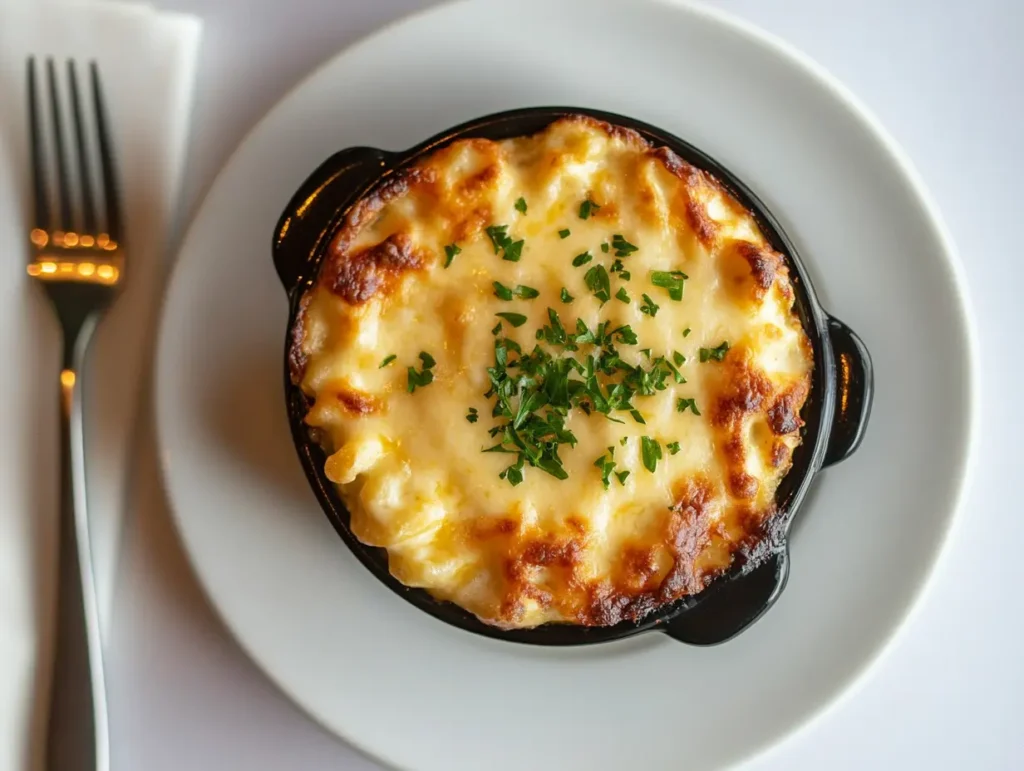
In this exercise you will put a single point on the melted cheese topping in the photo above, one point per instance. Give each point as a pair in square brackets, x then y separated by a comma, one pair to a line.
[409, 466]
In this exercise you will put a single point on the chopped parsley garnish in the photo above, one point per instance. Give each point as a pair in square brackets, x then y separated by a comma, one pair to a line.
[424, 378]
[686, 332]
[449, 253]
[650, 451]
[502, 292]
[687, 404]
[604, 247]
[521, 205]
[499, 237]
[607, 465]
[587, 208]
[715, 354]
[623, 440]
[672, 280]
[638, 417]
[626, 335]
[387, 360]
[515, 319]
[618, 267]
[500, 240]
[419, 379]
[582, 259]
[597, 282]
[622, 295]
[678, 358]
[621, 246]
[563, 233]
[472, 416]
[649, 307]
[676, 374]
[672, 447]
[514, 251]
[566, 297]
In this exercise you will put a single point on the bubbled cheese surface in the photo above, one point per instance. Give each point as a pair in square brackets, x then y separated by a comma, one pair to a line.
[410, 466]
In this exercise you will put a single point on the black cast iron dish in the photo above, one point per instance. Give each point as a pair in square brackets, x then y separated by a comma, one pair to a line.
[836, 412]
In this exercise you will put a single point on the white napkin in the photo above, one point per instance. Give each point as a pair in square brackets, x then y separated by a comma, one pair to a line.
[147, 64]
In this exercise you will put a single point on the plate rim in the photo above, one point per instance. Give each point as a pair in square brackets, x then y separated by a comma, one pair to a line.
[919, 592]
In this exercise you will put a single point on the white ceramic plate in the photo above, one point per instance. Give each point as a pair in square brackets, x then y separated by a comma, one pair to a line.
[419, 694]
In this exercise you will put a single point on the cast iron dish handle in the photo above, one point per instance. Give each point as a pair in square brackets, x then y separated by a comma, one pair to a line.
[732, 606]
[854, 380]
[309, 213]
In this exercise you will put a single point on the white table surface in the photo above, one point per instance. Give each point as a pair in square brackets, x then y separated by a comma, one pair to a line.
[947, 79]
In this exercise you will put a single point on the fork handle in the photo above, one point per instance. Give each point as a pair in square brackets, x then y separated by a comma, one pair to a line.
[76, 738]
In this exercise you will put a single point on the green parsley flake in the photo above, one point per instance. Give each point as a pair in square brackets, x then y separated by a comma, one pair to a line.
[587, 208]
[563, 233]
[678, 358]
[449, 253]
[650, 451]
[515, 319]
[686, 332]
[501, 242]
[597, 282]
[607, 465]
[649, 307]
[424, 378]
[523, 292]
[622, 295]
[521, 205]
[672, 280]
[714, 354]
[387, 360]
[621, 246]
[566, 297]
[687, 404]
[502, 292]
[472, 416]
[672, 447]
[514, 251]
[499, 237]
[582, 259]
[604, 247]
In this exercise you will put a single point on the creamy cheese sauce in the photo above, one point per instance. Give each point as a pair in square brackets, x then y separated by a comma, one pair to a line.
[410, 466]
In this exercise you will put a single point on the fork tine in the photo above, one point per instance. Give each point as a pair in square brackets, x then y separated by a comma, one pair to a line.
[63, 191]
[41, 215]
[88, 206]
[106, 158]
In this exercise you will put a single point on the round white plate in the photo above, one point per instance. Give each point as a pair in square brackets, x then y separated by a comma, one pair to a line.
[419, 694]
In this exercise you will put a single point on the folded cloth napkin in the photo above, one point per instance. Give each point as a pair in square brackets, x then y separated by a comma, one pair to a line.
[147, 61]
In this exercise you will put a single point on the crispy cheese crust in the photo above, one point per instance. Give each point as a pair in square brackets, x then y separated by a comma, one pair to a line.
[410, 466]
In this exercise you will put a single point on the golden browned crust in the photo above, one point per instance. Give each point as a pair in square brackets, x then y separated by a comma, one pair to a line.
[695, 538]
[356, 276]
[356, 402]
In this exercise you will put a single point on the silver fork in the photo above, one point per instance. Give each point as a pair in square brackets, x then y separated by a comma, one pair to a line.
[76, 257]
